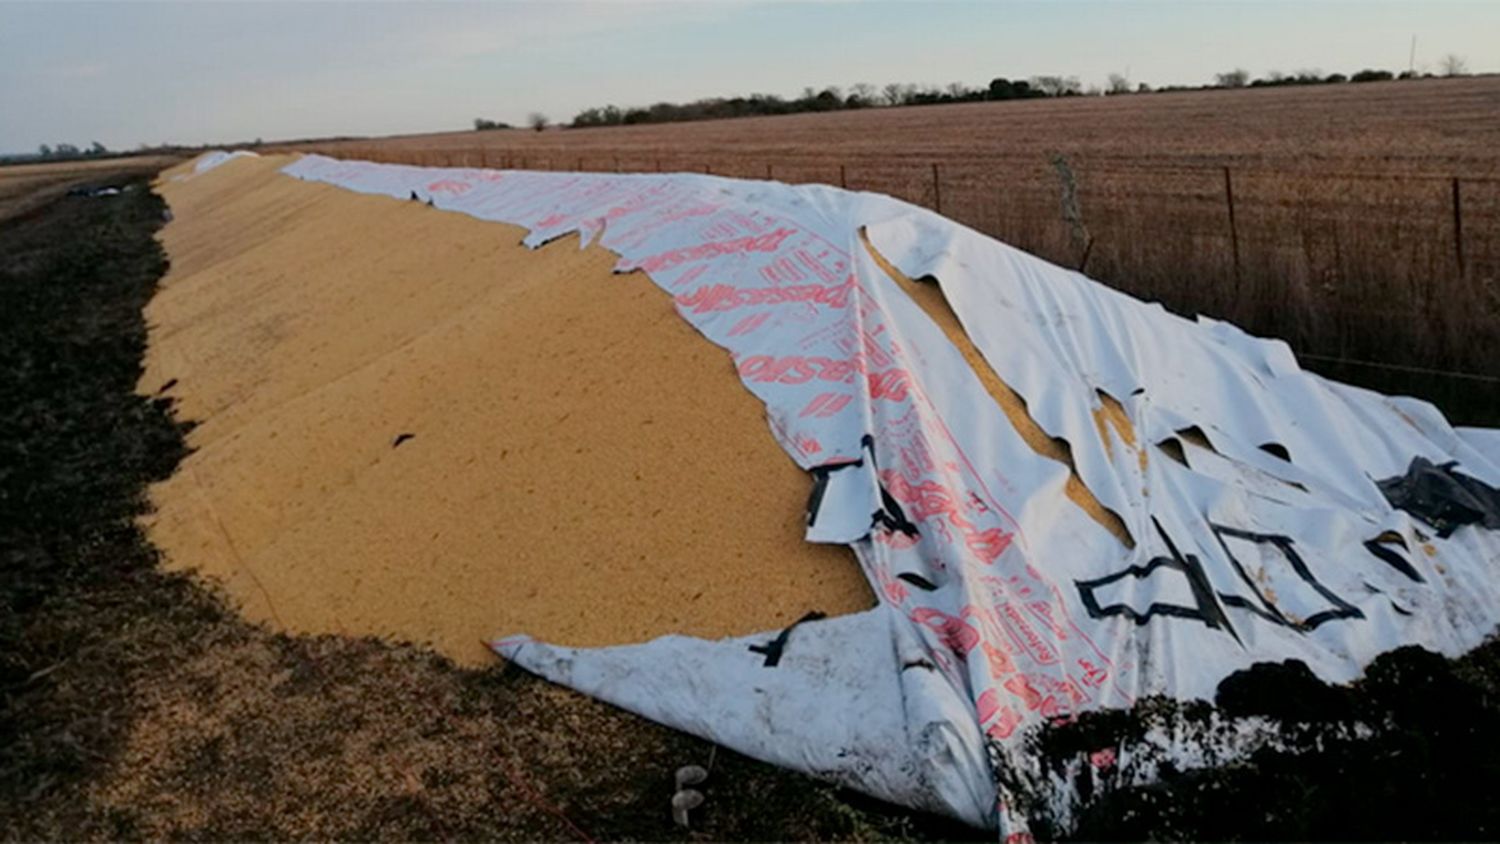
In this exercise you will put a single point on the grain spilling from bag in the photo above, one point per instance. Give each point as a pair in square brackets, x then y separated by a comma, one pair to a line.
[414, 427]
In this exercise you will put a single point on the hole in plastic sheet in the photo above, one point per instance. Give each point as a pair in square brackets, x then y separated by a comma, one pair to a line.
[918, 581]
[1172, 447]
[929, 297]
[1112, 411]
[1193, 435]
[1110, 414]
[1276, 450]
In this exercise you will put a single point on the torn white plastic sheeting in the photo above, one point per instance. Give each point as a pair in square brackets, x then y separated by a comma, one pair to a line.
[1484, 441]
[1002, 603]
[210, 160]
[836, 705]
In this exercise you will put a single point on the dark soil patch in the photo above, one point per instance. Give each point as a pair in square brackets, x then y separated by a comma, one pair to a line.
[135, 703]
[1405, 753]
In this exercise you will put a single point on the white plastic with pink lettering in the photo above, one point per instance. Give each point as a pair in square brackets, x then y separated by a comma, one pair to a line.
[1002, 604]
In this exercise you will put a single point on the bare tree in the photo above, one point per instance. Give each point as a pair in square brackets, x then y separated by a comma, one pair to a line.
[894, 93]
[1454, 65]
[1119, 83]
[864, 92]
[1057, 86]
[537, 120]
[958, 90]
[1237, 78]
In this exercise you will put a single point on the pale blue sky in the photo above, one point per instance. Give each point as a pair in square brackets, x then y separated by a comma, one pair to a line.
[124, 73]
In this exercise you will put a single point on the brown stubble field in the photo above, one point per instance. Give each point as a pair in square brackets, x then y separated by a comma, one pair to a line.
[24, 187]
[1346, 238]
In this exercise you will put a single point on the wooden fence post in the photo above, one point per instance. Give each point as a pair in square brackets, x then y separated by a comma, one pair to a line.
[768, 173]
[843, 178]
[1088, 249]
[1458, 226]
[1234, 232]
[937, 190]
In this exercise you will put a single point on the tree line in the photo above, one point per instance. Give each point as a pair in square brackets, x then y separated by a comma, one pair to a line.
[895, 94]
[1451, 65]
[832, 98]
[64, 152]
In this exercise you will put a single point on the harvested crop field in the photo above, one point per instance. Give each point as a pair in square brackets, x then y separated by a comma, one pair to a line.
[1346, 219]
[27, 186]
[1412, 127]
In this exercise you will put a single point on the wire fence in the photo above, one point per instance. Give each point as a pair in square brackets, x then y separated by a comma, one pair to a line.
[1387, 280]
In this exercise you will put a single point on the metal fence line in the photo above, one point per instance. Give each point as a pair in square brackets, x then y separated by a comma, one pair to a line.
[947, 189]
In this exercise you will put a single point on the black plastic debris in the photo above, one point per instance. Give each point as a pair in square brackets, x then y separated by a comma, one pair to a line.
[1442, 497]
[401, 438]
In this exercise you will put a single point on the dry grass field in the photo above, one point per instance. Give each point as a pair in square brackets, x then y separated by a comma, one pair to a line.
[1364, 225]
[24, 187]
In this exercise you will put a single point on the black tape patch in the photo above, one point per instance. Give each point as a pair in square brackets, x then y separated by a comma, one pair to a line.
[891, 517]
[1394, 559]
[773, 649]
[820, 487]
[1206, 609]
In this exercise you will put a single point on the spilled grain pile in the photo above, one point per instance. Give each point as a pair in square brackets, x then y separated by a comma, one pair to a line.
[413, 426]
